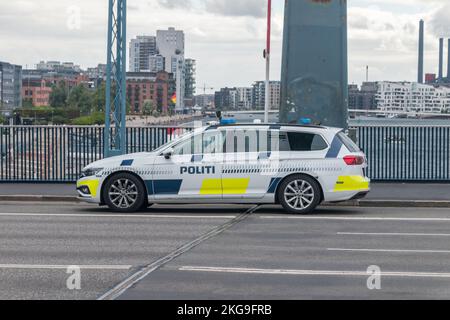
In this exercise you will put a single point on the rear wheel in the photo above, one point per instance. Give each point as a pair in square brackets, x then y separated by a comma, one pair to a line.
[299, 194]
[124, 192]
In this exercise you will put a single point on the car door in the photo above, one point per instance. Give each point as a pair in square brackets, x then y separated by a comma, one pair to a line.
[244, 176]
[193, 170]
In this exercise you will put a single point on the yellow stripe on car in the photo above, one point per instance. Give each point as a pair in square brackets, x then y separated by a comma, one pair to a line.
[225, 186]
[351, 183]
[91, 184]
[211, 187]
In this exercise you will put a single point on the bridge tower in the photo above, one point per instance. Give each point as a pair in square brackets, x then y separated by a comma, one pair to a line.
[115, 123]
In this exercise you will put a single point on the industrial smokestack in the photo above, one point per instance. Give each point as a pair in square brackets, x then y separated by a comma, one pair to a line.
[448, 61]
[421, 42]
[441, 58]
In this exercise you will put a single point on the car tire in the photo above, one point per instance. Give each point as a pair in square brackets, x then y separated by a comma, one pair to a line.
[124, 192]
[299, 194]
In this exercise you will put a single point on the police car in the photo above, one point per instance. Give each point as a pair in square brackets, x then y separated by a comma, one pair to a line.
[297, 166]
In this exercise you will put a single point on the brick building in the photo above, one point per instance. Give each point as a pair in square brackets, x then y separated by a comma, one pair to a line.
[146, 86]
[36, 91]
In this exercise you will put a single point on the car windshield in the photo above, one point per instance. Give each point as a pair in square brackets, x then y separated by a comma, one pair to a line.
[164, 146]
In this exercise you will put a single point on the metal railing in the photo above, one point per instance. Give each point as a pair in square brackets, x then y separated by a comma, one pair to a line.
[406, 152]
[59, 153]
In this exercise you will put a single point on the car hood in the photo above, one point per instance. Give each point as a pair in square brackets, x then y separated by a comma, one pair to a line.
[124, 160]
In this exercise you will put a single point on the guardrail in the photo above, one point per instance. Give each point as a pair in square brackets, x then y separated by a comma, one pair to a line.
[406, 153]
[59, 153]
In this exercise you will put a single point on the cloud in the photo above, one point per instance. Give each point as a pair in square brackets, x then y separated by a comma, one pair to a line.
[440, 22]
[251, 8]
[172, 4]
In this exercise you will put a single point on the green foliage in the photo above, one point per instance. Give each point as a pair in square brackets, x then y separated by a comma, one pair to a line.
[148, 108]
[80, 98]
[2, 119]
[94, 118]
[27, 103]
[98, 98]
[58, 96]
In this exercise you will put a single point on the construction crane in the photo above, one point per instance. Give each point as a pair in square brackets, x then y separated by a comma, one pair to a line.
[115, 120]
[207, 88]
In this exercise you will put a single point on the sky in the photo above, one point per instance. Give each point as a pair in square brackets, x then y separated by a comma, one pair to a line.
[226, 37]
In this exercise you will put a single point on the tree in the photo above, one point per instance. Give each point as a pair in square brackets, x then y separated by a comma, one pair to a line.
[2, 119]
[58, 96]
[98, 99]
[80, 98]
[148, 108]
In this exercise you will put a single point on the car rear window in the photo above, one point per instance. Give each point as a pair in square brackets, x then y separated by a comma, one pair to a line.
[348, 143]
[301, 141]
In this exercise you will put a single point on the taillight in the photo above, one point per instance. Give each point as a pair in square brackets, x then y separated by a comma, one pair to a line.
[354, 160]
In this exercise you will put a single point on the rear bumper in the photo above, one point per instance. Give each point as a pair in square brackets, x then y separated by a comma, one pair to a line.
[360, 195]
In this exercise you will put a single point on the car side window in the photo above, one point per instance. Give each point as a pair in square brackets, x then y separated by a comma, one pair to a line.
[202, 143]
[302, 141]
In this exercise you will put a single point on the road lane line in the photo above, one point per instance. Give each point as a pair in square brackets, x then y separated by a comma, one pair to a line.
[355, 218]
[56, 266]
[78, 215]
[394, 234]
[119, 289]
[312, 272]
[388, 250]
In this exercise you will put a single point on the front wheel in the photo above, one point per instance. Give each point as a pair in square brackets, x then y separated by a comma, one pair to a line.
[299, 194]
[124, 192]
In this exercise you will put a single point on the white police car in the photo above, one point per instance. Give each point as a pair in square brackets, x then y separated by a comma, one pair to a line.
[296, 166]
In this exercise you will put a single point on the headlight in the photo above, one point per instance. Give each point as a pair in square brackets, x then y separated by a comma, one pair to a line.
[90, 172]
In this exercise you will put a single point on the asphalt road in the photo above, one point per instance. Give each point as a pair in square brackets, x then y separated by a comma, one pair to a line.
[379, 191]
[207, 252]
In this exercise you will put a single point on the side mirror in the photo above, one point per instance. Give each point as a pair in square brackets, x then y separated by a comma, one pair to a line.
[168, 153]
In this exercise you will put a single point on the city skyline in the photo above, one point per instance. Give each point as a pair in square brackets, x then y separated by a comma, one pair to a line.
[224, 38]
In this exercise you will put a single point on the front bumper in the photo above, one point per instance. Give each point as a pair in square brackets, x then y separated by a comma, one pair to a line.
[88, 189]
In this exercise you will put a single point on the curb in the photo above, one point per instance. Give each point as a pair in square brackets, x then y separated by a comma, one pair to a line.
[38, 198]
[394, 204]
[353, 203]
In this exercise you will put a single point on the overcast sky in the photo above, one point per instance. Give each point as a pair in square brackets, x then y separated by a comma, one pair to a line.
[226, 37]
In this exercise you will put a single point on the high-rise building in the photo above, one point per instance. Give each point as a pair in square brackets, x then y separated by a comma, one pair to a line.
[244, 98]
[170, 44]
[10, 87]
[141, 49]
[259, 94]
[190, 68]
[156, 63]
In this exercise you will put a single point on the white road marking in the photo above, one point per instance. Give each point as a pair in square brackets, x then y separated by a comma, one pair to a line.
[354, 218]
[145, 271]
[388, 250]
[394, 234]
[50, 266]
[88, 215]
[313, 272]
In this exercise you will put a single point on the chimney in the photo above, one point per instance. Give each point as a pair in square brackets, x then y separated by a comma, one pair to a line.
[441, 58]
[448, 62]
[421, 46]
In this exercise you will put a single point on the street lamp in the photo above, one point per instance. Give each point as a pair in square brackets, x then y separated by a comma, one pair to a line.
[267, 57]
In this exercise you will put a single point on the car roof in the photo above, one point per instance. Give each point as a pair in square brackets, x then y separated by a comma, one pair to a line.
[274, 126]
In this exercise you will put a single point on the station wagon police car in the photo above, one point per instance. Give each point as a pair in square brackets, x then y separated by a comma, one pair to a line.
[296, 166]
